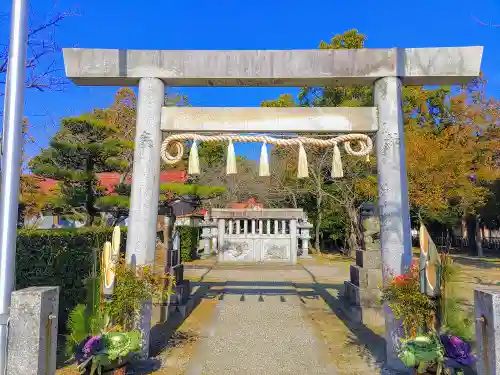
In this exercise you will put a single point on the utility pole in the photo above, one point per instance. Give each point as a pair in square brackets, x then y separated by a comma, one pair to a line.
[11, 162]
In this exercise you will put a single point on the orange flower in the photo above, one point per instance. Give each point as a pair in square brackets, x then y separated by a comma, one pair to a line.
[401, 280]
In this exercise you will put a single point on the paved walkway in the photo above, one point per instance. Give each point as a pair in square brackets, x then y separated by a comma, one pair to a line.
[260, 325]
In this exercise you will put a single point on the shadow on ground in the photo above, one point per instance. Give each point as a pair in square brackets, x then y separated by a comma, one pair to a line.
[361, 334]
[472, 261]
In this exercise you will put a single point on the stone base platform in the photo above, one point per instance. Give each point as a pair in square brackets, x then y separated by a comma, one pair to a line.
[366, 278]
[361, 305]
[361, 296]
[369, 316]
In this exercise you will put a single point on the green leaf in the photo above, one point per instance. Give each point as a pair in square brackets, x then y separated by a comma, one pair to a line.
[78, 325]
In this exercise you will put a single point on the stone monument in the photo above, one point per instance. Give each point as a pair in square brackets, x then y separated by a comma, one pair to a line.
[363, 289]
[33, 331]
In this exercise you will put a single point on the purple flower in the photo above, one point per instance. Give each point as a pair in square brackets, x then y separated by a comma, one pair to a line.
[458, 350]
[92, 345]
[80, 356]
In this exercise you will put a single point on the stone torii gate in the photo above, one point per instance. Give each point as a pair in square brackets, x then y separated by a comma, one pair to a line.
[386, 69]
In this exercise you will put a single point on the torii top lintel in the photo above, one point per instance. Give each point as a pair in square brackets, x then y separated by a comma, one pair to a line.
[294, 68]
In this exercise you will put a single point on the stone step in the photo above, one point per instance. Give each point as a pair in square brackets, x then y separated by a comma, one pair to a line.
[361, 296]
[369, 259]
[267, 294]
[369, 316]
[365, 278]
[257, 266]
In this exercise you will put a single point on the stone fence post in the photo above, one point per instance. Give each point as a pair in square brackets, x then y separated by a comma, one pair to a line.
[33, 331]
[487, 312]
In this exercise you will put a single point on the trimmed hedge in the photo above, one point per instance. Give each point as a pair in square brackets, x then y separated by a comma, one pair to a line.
[60, 257]
[189, 242]
[65, 258]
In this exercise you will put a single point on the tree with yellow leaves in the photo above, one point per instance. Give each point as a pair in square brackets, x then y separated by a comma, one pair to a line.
[452, 140]
[32, 200]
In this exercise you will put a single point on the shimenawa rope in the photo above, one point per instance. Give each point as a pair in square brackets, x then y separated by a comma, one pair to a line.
[177, 142]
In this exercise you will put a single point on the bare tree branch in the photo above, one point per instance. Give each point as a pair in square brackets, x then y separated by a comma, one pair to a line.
[43, 71]
[485, 23]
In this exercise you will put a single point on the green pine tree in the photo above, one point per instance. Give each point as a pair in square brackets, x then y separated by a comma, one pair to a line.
[83, 147]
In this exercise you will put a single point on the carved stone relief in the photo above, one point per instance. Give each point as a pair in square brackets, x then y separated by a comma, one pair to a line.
[273, 251]
[236, 250]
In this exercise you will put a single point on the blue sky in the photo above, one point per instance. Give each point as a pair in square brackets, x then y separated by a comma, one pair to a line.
[256, 24]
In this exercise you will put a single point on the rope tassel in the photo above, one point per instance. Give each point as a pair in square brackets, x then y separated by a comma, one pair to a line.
[264, 161]
[337, 169]
[302, 167]
[231, 159]
[194, 160]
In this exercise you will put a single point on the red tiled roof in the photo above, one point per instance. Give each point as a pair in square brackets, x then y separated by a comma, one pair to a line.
[248, 204]
[110, 179]
[47, 184]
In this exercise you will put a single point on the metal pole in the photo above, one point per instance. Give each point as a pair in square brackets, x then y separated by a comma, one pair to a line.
[11, 164]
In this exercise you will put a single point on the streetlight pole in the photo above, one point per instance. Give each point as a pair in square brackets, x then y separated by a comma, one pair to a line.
[11, 164]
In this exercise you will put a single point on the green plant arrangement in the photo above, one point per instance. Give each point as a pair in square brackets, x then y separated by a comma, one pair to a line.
[132, 288]
[101, 334]
[422, 352]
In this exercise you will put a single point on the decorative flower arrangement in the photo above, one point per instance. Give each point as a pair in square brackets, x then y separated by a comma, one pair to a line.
[416, 310]
[101, 333]
[423, 348]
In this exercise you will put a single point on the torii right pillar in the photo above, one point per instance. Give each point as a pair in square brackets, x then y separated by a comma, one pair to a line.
[395, 230]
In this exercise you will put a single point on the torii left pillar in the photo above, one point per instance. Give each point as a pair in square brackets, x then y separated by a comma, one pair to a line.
[141, 238]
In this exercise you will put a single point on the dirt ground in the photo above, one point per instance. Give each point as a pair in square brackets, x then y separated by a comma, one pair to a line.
[174, 359]
[475, 273]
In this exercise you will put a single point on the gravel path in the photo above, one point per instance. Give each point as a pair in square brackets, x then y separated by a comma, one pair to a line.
[260, 330]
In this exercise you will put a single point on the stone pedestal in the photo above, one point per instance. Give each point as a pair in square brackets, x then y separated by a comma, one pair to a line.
[33, 331]
[487, 312]
[363, 289]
